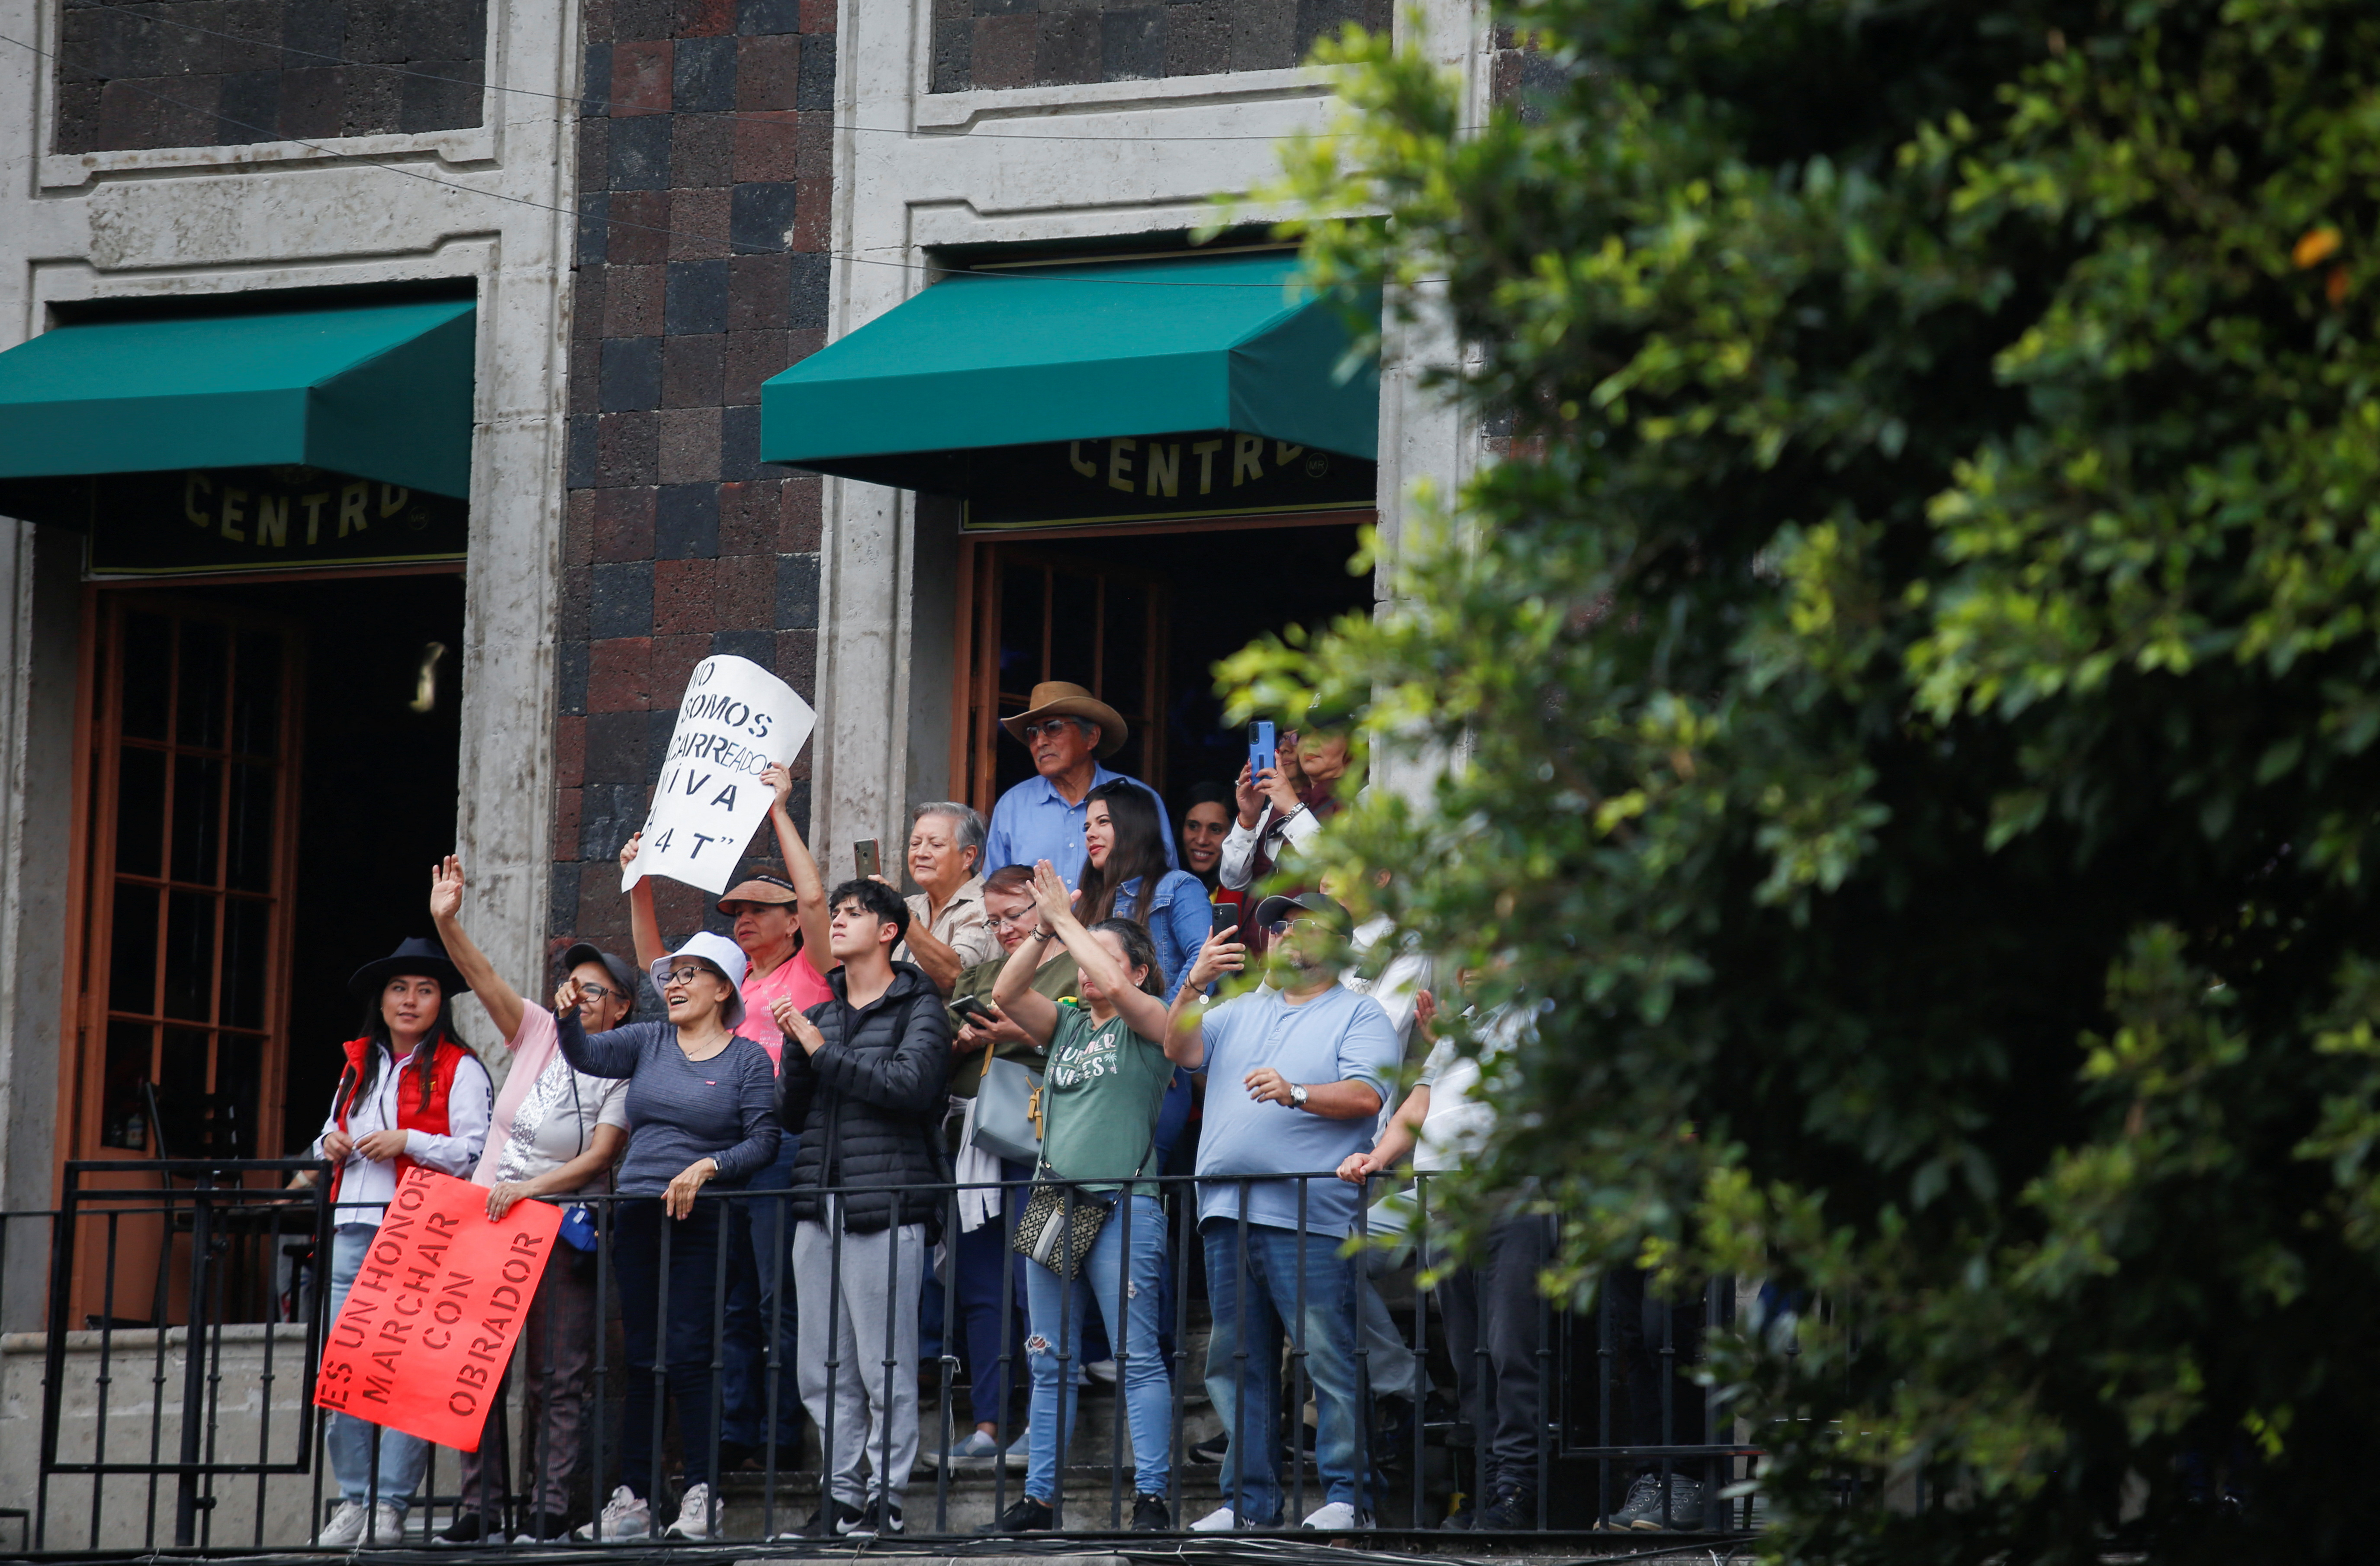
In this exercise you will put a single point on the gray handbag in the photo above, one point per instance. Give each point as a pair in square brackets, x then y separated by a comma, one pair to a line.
[1008, 1110]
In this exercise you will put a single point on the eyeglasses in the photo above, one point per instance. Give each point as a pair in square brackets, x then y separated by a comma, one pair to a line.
[597, 991]
[1282, 927]
[996, 920]
[1047, 726]
[680, 977]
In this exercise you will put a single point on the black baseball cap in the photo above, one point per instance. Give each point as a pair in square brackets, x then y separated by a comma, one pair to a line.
[1279, 907]
[623, 972]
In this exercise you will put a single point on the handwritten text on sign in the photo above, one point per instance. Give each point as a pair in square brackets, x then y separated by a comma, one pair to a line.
[736, 718]
[423, 1340]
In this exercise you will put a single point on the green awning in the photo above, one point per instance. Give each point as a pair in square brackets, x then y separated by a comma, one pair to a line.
[377, 390]
[1075, 352]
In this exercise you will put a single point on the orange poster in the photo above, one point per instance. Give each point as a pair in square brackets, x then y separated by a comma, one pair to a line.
[422, 1343]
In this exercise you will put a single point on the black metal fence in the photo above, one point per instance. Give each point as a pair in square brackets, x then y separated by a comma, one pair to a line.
[144, 1444]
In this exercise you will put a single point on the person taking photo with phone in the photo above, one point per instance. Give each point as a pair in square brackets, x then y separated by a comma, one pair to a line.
[946, 929]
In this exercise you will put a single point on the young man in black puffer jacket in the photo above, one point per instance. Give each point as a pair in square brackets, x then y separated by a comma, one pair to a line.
[866, 1087]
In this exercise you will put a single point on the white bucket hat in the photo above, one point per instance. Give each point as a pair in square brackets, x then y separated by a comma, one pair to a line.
[721, 954]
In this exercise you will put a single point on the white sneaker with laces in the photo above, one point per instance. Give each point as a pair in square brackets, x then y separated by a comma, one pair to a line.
[1219, 1521]
[693, 1514]
[346, 1526]
[1103, 1371]
[387, 1529]
[625, 1516]
[1336, 1518]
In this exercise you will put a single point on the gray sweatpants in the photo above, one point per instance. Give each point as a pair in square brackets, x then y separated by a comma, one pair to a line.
[857, 1313]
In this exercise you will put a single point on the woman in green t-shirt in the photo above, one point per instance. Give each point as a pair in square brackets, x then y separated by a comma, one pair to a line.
[1101, 1093]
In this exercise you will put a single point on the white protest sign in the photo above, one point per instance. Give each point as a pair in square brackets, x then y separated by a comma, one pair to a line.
[736, 718]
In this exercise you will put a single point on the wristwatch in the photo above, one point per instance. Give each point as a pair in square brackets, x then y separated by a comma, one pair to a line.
[1297, 1095]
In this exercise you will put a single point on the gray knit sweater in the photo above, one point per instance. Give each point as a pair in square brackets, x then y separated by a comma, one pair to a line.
[680, 1110]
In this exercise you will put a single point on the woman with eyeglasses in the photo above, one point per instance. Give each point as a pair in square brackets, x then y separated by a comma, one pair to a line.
[701, 1111]
[557, 1132]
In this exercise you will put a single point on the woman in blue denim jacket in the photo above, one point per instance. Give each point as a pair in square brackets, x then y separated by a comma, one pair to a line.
[1123, 844]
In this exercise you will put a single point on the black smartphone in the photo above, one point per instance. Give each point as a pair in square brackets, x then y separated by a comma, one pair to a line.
[868, 859]
[1224, 915]
[974, 1009]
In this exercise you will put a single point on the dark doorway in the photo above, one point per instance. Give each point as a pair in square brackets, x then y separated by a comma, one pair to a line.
[1142, 620]
[377, 763]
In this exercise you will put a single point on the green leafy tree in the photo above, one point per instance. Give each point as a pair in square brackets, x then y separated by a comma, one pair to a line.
[1913, 675]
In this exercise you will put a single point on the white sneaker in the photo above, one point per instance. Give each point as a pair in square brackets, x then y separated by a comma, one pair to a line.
[1336, 1518]
[1103, 1371]
[693, 1514]
[1219, 1521]
[345, 1527]
[625, 1517]
[387, 1530]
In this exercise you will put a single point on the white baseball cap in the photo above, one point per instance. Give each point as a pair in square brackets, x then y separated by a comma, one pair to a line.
[721, 954]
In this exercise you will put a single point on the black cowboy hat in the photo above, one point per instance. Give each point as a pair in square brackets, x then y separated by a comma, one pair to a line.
[418, 954]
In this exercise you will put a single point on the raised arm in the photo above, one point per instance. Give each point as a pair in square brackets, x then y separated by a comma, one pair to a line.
[606, 1054]
[809, 887]
[644, 925]
[1185, 1044]
[504, 1003]
[1142, 1012]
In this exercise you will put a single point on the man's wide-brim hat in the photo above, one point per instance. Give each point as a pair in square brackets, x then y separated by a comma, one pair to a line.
[418, 956]
[1062, 699]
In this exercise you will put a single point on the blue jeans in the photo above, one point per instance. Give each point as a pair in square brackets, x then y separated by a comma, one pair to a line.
[403, 1457]
[1132, 1318]
[1249, 1311]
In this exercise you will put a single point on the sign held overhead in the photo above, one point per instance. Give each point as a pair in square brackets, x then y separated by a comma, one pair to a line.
[736, 718]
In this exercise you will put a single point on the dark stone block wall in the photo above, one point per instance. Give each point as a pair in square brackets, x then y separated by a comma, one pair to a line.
[705, 158]
[988, 43]
[209, 73]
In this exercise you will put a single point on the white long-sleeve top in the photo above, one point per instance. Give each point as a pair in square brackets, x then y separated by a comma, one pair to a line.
[1237, 867]
[365, 1187]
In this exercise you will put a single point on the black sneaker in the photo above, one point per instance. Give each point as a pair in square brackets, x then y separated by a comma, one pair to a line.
[1685, 1507]
[1512, 1511]
[1211, 1451]
[1644, 1491]
[1025, 1515]
[821, 1525]
[542, 1528]
[882, 1518]
[1151, 1515]
[470, 1528]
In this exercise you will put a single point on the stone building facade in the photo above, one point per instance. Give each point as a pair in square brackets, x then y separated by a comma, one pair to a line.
[649, 209]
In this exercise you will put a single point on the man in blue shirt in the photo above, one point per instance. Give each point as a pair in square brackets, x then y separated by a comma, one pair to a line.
[1296, 1077]
[1069, 730]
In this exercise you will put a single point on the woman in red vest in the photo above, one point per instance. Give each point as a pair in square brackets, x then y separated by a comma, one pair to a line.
[412, 1094]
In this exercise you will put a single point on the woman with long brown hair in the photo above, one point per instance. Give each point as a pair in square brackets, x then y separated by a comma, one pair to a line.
[1125, 877]
[412, 1094]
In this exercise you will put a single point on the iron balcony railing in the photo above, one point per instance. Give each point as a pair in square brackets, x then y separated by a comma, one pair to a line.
[186, 1312]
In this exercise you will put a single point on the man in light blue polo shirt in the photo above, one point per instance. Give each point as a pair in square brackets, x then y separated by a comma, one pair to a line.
[1069, 730]
[1296, 1077]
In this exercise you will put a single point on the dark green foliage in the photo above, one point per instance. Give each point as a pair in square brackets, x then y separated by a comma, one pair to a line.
[1917, 674]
